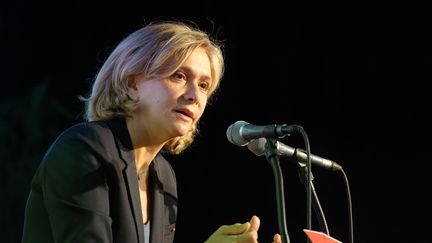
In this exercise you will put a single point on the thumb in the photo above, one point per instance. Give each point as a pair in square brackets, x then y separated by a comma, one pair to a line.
[277, 238]
[254, 224]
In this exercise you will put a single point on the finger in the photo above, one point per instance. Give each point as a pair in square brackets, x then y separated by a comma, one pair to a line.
[233, 229]
[277, 238]
[249, 237]
[254, 224]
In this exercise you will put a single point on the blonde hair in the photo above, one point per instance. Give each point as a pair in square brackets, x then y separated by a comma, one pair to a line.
[156, 51]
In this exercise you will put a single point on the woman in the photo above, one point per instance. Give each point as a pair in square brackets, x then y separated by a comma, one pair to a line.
[106, 180]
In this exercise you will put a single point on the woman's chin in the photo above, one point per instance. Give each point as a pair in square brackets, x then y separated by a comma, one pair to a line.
[180, 131]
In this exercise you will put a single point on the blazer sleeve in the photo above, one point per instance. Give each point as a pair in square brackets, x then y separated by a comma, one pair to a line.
[75, 190]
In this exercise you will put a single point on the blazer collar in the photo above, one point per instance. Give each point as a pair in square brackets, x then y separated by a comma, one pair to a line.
[126, 153]
[124, 142]
[160, 182]
[163, 185]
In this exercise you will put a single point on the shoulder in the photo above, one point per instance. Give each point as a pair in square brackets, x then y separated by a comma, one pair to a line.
[92, 135]
[80, 152]
[86, 130]
[81, 145]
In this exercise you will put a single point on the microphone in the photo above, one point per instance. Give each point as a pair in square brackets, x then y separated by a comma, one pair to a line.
[241, 132]
[257, 146]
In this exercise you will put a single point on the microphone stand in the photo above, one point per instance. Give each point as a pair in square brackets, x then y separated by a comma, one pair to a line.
[273, 158]
[315, 201]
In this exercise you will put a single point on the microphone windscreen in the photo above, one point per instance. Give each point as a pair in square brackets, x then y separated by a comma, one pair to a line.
[233, 133]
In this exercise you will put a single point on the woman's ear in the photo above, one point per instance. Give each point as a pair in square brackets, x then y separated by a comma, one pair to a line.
[132, 87]
[132, 82]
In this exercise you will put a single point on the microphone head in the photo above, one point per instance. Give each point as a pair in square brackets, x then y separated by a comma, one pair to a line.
[233, 133]
[257, 146]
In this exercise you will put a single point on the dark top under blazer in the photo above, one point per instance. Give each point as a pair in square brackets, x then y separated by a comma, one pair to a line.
[86, 190]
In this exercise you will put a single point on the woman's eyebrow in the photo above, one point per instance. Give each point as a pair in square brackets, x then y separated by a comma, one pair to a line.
[189, 70]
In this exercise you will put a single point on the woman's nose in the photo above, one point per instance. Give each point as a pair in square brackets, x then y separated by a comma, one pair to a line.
[191, 93]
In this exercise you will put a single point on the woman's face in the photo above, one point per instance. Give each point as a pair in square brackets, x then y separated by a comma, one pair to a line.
[170, 107]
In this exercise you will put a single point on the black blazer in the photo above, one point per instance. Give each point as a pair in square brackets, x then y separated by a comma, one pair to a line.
[86, 190]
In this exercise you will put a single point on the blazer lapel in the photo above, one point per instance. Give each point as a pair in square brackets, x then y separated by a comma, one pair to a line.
[118, 126]
[158, 207]
[161, 182]
[164, 201]
[132, 183]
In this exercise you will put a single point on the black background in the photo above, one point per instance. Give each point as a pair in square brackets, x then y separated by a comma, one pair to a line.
[354, 75]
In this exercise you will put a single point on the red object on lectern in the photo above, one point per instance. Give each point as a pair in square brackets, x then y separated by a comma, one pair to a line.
[320, 237]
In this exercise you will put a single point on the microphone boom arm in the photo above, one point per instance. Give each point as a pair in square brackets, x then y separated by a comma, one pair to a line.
[273, 159]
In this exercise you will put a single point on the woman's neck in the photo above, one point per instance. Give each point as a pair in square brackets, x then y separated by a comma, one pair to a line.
[145, 147]
[144, 156]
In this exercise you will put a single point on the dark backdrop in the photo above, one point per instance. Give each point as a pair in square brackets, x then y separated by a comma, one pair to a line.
[354, 75]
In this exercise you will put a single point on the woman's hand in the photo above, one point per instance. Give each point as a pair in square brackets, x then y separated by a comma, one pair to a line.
[277, 238]
[239, 233]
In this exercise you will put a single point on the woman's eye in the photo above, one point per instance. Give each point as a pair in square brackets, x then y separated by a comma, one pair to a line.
[179, 76]
[204, 85]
